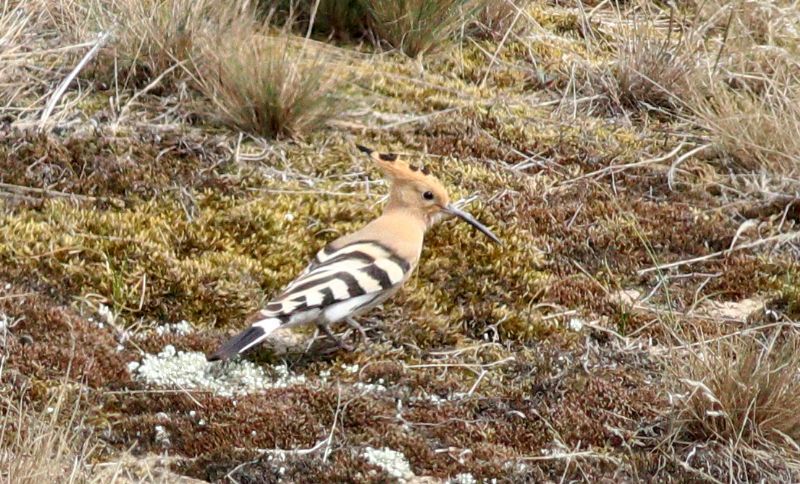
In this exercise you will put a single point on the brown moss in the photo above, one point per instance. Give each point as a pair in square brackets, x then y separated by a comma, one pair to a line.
[218, 423]
[391, 372]
[177, 235]
[60, 344]
[107, 165]
[341, 467]
[510, 134]
[595, 404]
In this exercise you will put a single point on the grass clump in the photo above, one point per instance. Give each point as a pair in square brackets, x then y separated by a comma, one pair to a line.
[265, 85]
[269, 85]
[411, 26]
[153, 37]
[756, 132]
[497, 18]
[14, 24]
[419, 26]
[743, 391]
[650, 72]
[44, 445]
[750, 105]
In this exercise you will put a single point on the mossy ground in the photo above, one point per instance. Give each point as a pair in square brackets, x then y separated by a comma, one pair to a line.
[496, 359]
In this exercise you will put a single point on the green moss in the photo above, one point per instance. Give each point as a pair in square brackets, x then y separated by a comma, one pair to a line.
[151, 261]
[557, 21]
[790, 294]
[474, 287]
[206, 226]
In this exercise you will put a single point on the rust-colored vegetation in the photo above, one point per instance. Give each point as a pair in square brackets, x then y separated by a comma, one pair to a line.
[640, 163]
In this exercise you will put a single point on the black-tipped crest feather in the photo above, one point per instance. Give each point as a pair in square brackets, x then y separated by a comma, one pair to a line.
[382, 156]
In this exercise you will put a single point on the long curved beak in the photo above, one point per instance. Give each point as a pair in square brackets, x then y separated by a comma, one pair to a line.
[472, 221]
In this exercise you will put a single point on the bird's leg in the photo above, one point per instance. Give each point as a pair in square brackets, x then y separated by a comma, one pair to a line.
[354, 324]
[332, 337]
[312, 340]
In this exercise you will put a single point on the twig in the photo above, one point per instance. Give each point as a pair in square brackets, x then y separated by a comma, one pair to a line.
[743, 332]
[674, 167]
[329, 440]
[462, 365]
[499, 48]
[477, 382]
[276, 452]
[570, 456]
[13, 296]
[21, 189]
[59, 92]
[775, 238]
[417, 119]
[146, 89]
[618, 168]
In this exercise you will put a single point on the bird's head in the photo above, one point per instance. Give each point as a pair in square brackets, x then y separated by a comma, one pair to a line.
[414, 189]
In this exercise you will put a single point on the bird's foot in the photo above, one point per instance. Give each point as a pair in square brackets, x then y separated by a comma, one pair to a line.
[354, 324]
[339, 343]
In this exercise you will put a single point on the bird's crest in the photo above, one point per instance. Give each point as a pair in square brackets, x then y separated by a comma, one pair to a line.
[395, 168]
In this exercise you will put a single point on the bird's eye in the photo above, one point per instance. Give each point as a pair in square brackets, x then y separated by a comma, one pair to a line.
[427, 195]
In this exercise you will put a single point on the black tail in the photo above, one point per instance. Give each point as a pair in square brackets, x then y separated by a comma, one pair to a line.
[239, 343]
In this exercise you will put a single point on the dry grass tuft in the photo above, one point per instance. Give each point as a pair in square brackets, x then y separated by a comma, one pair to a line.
[419, 26]
[14, 23]
[755, 132]
[749, 22]
[750, 105]
[153, 37]
[270, 86]
[497, 17]
[742, 391]
[42, 446]
[654, 71]
[265, 85]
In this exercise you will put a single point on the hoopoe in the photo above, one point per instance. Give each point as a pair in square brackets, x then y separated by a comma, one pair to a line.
[359, 271]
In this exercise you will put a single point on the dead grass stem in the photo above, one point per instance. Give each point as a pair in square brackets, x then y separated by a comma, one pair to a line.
[755, 132]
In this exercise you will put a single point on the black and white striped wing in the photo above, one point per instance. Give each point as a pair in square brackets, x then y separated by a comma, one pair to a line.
[338, 283]
[349, 277]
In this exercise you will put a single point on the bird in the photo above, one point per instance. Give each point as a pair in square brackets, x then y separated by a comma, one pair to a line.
[360, 270]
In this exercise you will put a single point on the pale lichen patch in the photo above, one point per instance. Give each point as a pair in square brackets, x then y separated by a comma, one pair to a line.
[392, 462]
[189, 370]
